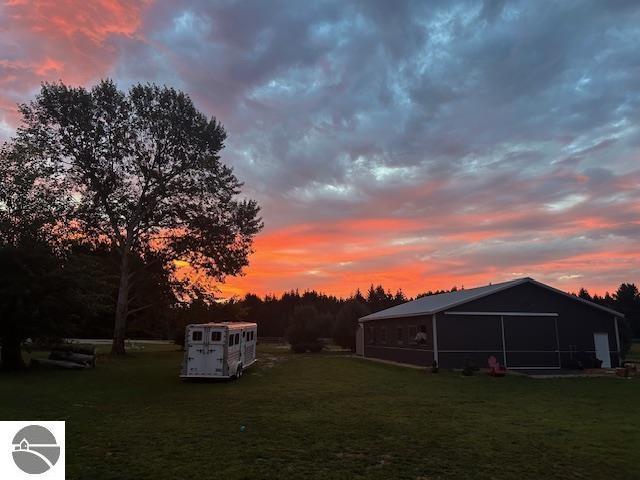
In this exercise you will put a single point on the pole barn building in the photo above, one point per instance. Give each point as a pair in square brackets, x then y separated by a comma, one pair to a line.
[523, 323]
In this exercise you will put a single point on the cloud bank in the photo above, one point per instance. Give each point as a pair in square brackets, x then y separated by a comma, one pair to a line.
[417, 144]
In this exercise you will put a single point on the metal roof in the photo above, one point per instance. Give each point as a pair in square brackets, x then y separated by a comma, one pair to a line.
[231, 325]
[437, 303]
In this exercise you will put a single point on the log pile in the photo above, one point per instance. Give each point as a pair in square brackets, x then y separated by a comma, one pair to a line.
[69, 356]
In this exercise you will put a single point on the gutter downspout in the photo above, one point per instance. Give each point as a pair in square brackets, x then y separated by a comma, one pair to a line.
[615, 323]
[435, 339]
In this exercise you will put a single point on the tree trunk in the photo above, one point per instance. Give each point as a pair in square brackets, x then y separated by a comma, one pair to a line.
[11, 358]
[122, 307]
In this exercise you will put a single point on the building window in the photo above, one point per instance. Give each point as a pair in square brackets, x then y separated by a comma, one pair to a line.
[400, 335]
[196, 336]
[412, 330]
[369, 335]
[383, 335]
[421, 336]
[216, 336]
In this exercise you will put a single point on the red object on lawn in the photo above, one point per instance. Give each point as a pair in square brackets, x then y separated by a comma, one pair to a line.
[495, 369]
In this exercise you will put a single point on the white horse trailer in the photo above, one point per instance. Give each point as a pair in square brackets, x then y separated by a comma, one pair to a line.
[218, 350]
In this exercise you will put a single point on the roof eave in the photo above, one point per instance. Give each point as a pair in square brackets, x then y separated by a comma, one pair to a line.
[386, 317]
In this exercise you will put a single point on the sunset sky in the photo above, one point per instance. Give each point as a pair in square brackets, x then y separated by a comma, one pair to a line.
[419, 145]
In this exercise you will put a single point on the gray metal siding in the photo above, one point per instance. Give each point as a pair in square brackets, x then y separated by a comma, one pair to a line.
[399, 349]
[529, 341]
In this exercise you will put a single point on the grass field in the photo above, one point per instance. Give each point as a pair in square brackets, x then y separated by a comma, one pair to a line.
[326, 417]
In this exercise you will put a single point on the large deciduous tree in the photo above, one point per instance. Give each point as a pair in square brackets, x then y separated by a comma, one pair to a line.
[145, 174]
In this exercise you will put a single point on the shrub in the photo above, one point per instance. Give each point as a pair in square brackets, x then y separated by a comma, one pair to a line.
[299, 347]
[469, 368]
[315, 347]
[304, 332]
[582, 360]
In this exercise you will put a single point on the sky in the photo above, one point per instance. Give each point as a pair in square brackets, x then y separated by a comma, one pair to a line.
[419, 145]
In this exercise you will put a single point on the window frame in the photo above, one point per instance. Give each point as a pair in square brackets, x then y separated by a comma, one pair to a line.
[412, 331]
[369, 335]
[419, 329]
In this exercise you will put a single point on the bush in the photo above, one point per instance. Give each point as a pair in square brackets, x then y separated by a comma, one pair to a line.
[469, 368]
[304, 331]
[582, 360]
[299, 347]
[315, 347]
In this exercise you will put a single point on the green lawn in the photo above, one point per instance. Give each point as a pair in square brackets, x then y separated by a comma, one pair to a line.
[325, 417]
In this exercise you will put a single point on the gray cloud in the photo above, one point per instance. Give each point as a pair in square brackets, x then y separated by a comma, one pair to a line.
[503, 116]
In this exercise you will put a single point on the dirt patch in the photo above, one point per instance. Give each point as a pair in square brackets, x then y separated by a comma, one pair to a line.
[270, 361]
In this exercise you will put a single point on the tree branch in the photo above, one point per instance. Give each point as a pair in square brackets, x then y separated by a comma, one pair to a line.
[138, 309]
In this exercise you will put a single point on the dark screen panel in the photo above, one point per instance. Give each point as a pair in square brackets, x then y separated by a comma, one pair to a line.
[530, 333]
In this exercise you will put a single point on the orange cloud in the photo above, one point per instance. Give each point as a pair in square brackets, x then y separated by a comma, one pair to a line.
[340, 257]
[51, 40]
[76, 20]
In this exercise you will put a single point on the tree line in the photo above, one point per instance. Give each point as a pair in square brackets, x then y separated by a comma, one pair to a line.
[306, 317]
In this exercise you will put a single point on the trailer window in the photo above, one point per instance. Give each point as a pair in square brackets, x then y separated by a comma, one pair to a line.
[216, 336]
[231, 338]
[237, 338]
[196, 336]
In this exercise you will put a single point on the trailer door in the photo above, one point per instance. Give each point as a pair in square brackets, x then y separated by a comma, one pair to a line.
[196, 347]
[243, 348]
[216, 352]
